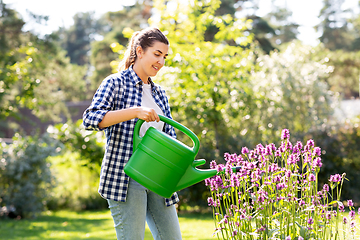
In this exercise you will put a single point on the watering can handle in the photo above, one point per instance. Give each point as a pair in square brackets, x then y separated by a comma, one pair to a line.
[193, 137]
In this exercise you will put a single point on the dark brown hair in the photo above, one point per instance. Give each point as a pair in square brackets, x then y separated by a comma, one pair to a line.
[144, 38]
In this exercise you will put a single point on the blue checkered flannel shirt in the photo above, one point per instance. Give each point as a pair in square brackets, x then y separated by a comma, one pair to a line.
[120, 91]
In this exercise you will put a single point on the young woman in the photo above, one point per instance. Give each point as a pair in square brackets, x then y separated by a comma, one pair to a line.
[121, 100]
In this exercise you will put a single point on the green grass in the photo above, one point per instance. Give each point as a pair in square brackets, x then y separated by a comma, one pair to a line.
[93, 225]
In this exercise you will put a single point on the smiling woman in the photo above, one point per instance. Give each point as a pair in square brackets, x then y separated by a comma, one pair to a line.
[121, 100]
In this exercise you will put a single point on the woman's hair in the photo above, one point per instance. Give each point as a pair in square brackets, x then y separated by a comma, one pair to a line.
[144, 38]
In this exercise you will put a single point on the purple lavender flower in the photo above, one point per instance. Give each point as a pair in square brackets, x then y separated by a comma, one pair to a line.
[289, 146]
[345, 220]
[288, 238]
[261, 229]
[210, 201]
[350, 203]
[281, 186]
[310, 143]
[291, 159]
[244, 150]
[352, 226]
[301, 202]
[352, 214]
[300, 238]
[207, 181]
[307, 158]
[341, 208]
[234, 233]
[228, 169]
[268, 150]
[326, 188]
[299, 145]
[282, 147]
[288, 173]
[227, 156]
[255, 176]
[335, 213]
[234, 181]
[317, 151]
[276, 179]
[317, 162]
[252, 155]
[312, 178]
[328, 215]
[310, 221]
[285, 134]
[335, 178]
[295, 149]
[278, 153]
[213, 164]
[218, 183]
[219, 168]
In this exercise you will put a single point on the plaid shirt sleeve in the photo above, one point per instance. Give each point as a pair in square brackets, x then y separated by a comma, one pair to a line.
[100, 105]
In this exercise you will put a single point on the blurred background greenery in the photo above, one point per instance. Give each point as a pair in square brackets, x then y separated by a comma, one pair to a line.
[233, 77]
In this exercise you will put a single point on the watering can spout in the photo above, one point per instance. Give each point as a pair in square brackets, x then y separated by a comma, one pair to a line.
[193, 175]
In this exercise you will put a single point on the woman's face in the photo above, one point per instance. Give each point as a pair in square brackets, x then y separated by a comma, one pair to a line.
[150, 61]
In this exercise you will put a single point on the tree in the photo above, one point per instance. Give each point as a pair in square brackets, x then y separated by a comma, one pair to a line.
[77, 39]
[285, 30]
[11, 69]
[355, 31]
[334, 26]
[345, 77]
[34, 73]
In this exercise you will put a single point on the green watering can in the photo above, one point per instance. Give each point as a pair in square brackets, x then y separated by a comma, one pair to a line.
[163, 164]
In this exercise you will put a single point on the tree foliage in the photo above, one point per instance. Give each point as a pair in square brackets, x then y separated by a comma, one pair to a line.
[335, 26]
[34, 72]
[77, 39]
[345, 77]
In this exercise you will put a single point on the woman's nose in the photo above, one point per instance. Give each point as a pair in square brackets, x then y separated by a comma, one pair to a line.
[162, 61]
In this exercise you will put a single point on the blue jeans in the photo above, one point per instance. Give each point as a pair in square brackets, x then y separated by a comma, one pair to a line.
[142, 204]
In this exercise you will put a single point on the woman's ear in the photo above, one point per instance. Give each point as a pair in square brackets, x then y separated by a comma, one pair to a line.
[139, 51]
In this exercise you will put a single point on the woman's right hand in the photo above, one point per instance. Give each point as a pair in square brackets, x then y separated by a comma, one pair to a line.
[147, 114]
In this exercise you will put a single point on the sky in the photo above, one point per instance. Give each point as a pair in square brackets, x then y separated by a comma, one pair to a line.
[61, 13]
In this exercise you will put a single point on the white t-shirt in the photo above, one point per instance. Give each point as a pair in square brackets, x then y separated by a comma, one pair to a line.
[147, 100]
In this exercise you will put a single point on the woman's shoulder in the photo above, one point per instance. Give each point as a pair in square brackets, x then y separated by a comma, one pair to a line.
[117, 78]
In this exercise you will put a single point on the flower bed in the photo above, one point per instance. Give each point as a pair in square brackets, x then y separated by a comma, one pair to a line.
[275, 195]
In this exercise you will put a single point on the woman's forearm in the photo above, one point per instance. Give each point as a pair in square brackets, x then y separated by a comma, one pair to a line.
[118, 116]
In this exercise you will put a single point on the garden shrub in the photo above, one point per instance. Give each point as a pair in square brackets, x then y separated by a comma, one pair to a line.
[77, 171]
[25, 173]
[76, 184]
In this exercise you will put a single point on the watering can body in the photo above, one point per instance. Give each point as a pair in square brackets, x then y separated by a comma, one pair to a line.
[163, 164]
